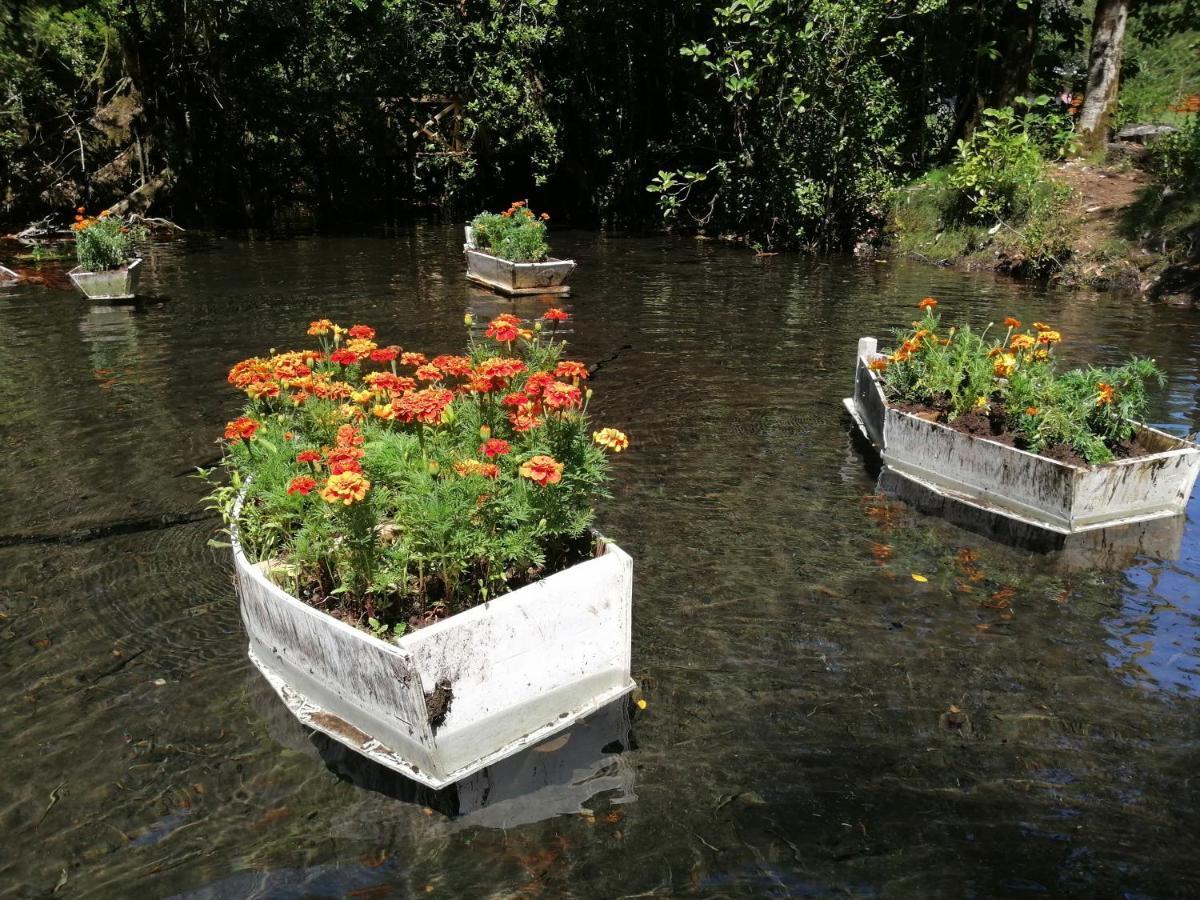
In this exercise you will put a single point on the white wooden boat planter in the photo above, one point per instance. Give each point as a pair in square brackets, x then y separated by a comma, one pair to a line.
[8, 276]
[518, 669]
[999, 480]
[115, 284]
[516, 278]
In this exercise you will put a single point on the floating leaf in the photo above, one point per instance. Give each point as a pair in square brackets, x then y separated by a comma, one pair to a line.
[921, 578]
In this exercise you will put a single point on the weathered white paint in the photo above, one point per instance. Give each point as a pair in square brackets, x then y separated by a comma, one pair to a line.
[522, 667]
[7, 275]
[115, 284]
[515, 278]
[1024, 486]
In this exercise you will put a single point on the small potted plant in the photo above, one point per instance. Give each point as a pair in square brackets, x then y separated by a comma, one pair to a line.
[508, 252]
[103, 247]
[988, 420]
[413, 546]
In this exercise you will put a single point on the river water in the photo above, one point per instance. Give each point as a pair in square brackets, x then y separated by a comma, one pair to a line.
[817, 722]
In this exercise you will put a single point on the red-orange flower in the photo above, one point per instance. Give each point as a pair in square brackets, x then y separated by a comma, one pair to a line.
[425, 406]
[878, 364]
[1107, 394]
[569, 368]
[349, 436]
[345, 488]
[344, 459]
[343, 357]
[500, 367]
[361, 331]
[536, 383]
[302, 484]
[524, 419]
[494, 447]
[1010, 322]
[505, 328]
[514, 400]
[413, 359]
[429, 372]
[542, 469]
[320, 326]
[384, 354]
[554, 314]
[308, 456]
[562, 396]
[927, 303]
[241, 428]
[453, 365]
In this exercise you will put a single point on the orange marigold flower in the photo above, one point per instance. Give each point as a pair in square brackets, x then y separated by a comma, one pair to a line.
[614, 440]
[79, 209]
[1020, 342]
[319, 327]
[345, 488]
[927, 303]
[500, 367]
[1048, 337]
[343, 357]
[1041, 326]
[344, 459]
[261, 389]
[536, 383]
[524, 419]
[413, 359]
[878, 364]
[1107, 394]
[1010, 322]
[493, 447]
[467, 467]
[1004, 365]
[569, 368]
[308, 456]
[361, 347]
[1032, 410]
[429, 372]
[562, 396]
[505, 328]
[302, 484]
[515, 400]
[453, 365]
[241, 428]
[385, 354]
[554, 314]
[545, 217]
[349, 436]
[427, 406]
[361, 331]
[542, 469]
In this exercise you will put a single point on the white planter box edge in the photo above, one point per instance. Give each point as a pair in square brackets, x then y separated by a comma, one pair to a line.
[115, 284]
[516, 278]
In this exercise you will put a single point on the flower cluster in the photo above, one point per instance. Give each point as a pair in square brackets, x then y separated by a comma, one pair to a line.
[399, 481]
[1012, 379]
[516, 234]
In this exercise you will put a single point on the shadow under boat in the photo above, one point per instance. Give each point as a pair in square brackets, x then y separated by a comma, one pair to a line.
[557, 777]
[1115, 547]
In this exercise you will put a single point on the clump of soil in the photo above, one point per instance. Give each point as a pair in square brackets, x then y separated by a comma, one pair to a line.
[993, 426]
[437, 703]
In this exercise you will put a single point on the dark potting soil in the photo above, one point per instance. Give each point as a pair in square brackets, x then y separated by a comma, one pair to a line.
[992, 427]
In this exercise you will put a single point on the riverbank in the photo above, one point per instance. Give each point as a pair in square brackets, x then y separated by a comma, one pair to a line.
[1116, 229]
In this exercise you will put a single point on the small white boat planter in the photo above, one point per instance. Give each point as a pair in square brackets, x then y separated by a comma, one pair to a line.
[114, 284]
[1035, 490]
[8, 276]
[516, 279]
[520, 667]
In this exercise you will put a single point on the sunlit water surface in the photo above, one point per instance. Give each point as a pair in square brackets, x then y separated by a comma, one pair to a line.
[818, 723]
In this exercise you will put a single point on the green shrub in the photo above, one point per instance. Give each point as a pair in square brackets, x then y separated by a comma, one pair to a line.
[997, 169]
[102, 243]
[1013, 381]
[515, 234]
[1175, 158]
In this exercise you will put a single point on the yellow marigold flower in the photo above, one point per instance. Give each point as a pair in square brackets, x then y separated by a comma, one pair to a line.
[345, 488]
[1004, 365]
[319, 327]
[614, 440]
[1040, 326]
[1020, 342]
[981, 404]
[384, 412]
[1107, 394]
[1048, 337]
[360, 396]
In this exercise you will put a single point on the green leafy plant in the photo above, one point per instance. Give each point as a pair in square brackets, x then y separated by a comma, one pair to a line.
[102, 243]
[392, 490]
[1175, 158]
[515, 234]
[1012, 382]
[998, 168]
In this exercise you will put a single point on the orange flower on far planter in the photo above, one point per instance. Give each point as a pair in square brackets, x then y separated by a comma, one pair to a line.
[345, 488]
[1010, 322]
[302, 484]
[1048, 337]
[241, 428]
[320, 327]
[1107, 394]
[614, 440]
[542, 469]
[1004, 365]
[878, 364]
[554, 314]
[1040, 326]
[413, 359]
[927, 303]
[1020, 342]
[1031, 411]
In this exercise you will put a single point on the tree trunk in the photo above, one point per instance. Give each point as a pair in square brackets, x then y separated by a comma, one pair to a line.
[1104, 70]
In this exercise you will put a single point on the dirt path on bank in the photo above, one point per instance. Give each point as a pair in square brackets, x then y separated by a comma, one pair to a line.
[1102, 196]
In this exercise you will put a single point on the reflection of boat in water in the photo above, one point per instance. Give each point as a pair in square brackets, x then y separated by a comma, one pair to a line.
[486, 305]
[557, 777]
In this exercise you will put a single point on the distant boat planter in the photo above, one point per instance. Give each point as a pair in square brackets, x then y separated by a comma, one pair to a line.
[516, 278]
[506, 674]
[114, 284]
[1035, 490]
[8, 276]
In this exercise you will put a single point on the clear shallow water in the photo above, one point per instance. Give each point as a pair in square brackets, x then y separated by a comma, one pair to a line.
[799, 738]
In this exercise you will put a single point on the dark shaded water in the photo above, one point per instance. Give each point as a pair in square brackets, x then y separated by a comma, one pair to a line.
[818, 722]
